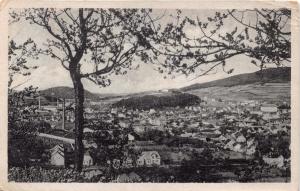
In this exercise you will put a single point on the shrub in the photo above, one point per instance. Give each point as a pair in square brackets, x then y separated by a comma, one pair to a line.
[39, 174]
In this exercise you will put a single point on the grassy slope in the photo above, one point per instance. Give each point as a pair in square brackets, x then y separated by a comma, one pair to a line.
[271, 75]
[266, 92]
[275, 86]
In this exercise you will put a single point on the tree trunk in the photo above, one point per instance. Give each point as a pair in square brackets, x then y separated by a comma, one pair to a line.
[79, 120]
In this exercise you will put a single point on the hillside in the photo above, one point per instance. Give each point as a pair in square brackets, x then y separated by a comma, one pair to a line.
[270, 92]
[154, 101]
[270, 75]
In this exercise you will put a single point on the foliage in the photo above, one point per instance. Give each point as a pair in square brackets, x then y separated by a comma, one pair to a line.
[151, 101]
[26, 150]
[17, 106]
[18, 55]
[263, 35]
[274, 145]
[22, 143]
[39, 174]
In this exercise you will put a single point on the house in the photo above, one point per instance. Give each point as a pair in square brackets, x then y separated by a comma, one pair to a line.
[123, 124]
[88, 110]
[187, 134]
[130, 137]
[121, 115]
[271, 116]
[149, 158]
[57, 155]
[114, 111]
[203, 115]
[229, 144]
[152, 111]
[221, 138]
[251, 150]
[88, 130]
[52, 108]
[237, 147]
[62, 155]
[269, 108]
[270, 111]
[127, 162]
[155, 122]
[87, 159]
[241, 139]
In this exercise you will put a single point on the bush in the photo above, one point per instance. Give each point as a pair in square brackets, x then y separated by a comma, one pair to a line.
[39, 174]
[23, 145]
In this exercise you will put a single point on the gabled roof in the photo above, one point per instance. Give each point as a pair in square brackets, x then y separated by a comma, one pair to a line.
[58, 149]
[148, 154]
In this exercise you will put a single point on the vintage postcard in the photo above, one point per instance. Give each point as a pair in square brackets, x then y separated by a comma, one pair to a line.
[156, 95]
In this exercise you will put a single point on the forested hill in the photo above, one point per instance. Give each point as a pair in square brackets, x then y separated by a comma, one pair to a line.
[270, 75]
[154, 101]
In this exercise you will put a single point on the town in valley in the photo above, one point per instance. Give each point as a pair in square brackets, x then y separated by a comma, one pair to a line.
[115, 95]
[190, 139]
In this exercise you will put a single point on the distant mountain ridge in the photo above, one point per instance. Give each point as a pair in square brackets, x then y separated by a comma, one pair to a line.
[275, 75]
[270, 75]
[66, 92]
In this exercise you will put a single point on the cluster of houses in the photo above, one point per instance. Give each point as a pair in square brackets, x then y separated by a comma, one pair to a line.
[215, 121]
[146, 158]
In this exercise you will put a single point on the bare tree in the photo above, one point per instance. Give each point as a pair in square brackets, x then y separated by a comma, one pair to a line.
[91, 44]
[261, 34]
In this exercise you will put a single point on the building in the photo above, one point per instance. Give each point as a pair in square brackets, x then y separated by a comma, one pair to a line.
[130, 137]
[127, 162]
[149, 158]
[61, 156]
[87, 159]
[57, 155]
[269, 108]
[270, 111]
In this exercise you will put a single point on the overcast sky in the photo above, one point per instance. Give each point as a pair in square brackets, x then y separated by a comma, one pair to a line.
[50, 73]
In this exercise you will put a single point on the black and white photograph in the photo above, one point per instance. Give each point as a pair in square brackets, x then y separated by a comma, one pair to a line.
[149, 95]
